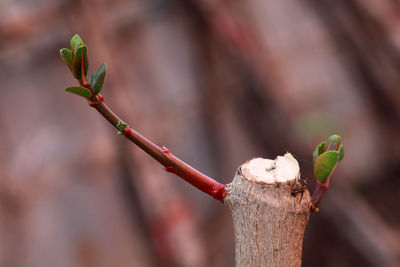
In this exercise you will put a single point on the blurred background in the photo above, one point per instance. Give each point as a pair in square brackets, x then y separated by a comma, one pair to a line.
[217, 82]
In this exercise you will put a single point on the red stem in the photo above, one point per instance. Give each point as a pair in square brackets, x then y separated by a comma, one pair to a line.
[318, 194]
[162, 155]
[320, 190]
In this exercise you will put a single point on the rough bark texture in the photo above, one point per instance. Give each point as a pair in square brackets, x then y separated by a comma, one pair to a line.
[269, 220]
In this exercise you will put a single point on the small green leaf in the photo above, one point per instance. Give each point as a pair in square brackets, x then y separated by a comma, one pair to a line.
[321, 148]
[333, 142]
[324, 165]
[78, 90]
[76, 42]
[79, 57]
[66, 55]
[96, 79]
[121, 126]
[90, 79]
[318, 151]
[341, 152]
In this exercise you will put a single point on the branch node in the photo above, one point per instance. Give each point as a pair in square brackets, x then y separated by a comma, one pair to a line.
[126, 130]
[85, 84]
[121, 127]
[165, 150]
[219, 192]
[97, 99]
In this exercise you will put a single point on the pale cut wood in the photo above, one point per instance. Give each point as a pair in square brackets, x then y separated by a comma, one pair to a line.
[270, 208]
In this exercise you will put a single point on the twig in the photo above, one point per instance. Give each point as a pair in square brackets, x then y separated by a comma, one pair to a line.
[162, 155]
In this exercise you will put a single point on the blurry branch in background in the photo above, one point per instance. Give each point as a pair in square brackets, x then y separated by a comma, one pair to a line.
[363, 227]
[374, 54]
[226, 26]
[28, 22]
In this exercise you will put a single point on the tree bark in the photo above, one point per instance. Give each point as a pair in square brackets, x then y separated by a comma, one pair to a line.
[270, 208]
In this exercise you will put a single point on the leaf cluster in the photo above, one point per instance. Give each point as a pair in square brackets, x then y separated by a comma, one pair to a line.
[326, 156]
[77, 61]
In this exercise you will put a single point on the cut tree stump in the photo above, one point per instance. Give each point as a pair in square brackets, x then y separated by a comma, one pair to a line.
[270, 208]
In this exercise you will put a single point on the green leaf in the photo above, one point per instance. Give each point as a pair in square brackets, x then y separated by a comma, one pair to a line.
[96, 79]
[90, 79]
[318, 151]
[79, 90]
[76, 42]
[79, 58]
[333, 142]
[341, 152]
[324, 165]
[66, 55]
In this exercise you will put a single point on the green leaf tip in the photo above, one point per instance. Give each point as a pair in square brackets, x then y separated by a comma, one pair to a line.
[97, 78]
[79, 90]
[121, 126]
[76, 42]
[66, 55]
[325, 157]
[333, 142]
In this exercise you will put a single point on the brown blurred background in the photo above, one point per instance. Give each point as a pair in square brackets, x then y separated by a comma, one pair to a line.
[217, 82]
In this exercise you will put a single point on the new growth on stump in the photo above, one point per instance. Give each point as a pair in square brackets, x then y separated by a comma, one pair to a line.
[269, 202]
